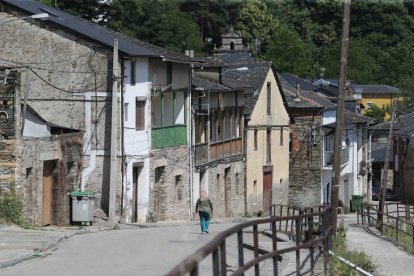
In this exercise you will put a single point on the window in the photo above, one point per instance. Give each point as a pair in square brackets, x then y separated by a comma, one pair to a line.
[255, 139]
[269, 98]
[140, 115]
[132, 72]
[126, 112]
[281, 137]
[269, 143]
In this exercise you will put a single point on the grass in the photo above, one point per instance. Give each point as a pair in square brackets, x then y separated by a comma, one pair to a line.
[358, 258]
[11, 207]
[405, 238]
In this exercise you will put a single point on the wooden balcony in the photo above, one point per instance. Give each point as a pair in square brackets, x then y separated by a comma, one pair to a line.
[218, 150]
[169, 136]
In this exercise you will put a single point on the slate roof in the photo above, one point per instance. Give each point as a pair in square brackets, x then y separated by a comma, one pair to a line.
[98, 33]
[293, 80]
[251, 80]
[406, 126]
[376, 89]
[308, 98]
[405, 120]
[204, 84]
[351, 119]
[234, 58]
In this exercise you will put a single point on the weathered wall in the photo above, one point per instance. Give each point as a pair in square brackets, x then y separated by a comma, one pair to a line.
[256, 162]
[305, 162]
[31, 153]
[170, 192]
[63, 70]
[230, 185]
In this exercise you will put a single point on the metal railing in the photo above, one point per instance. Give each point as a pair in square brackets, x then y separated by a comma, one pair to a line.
[396, 220]
[301, 227]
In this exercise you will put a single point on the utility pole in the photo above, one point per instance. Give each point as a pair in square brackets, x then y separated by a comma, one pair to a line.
[380, 216]
[340, 115]
[114, 133]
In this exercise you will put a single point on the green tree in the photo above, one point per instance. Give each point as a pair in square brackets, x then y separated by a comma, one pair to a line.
[256, 24]
[296, 56]
[178, 32]
[378, 113]
[92, 10]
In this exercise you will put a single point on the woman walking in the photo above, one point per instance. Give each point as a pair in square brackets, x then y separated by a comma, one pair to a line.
[204, 207]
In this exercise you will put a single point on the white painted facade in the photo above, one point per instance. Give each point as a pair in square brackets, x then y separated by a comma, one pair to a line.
[354, 140]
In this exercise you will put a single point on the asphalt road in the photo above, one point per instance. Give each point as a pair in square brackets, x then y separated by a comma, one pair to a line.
[138, 251]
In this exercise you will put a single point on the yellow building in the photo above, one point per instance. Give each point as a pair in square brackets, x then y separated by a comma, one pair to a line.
[379, 95]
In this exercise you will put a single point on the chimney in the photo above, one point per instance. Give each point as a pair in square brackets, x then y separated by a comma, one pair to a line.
[189, 53]
[297, 95]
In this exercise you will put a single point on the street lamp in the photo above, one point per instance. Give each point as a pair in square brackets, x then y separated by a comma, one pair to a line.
[42, 16]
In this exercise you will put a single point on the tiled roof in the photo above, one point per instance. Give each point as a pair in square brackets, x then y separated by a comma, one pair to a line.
[98, 33]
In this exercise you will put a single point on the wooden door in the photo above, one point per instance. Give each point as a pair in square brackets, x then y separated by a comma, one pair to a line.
[134, 215]
[267, 191]
[48, 167]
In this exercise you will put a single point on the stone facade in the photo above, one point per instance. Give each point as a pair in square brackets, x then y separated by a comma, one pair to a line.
[169, 183]
[64, 85]
[226, 187]
[305, 162]
[65, 153]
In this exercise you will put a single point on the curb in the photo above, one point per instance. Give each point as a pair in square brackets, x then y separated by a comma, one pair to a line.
[38, 253]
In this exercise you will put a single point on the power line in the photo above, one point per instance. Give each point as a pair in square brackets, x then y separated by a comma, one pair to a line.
[65, 90]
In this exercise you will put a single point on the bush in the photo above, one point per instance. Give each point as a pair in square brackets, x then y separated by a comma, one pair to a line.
[356, 257]
[11, 207]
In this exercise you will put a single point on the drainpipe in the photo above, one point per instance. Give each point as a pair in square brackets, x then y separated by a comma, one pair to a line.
[190, 142]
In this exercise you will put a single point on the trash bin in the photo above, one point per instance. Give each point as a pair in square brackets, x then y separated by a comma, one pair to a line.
[356, 202]
[82, 207]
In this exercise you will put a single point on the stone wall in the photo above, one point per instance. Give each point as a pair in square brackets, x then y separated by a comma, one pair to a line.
[65, 152]
[226, 174]
[169, 183]
[63, 69]
[305, 162]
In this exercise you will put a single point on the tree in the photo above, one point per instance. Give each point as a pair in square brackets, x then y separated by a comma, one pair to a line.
[178, 32]
[92, 10]
[256, 24]
[378, 113]
[289, 53]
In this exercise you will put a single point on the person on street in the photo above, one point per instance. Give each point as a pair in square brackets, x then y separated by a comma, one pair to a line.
[204, 207]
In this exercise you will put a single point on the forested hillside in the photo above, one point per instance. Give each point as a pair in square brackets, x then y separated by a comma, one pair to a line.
[301, 37]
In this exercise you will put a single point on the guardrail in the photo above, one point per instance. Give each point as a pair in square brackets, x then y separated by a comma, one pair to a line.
[301, 227]
[400, 225]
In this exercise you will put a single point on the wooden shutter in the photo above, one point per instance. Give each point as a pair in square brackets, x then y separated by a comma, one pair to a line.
[140, 115]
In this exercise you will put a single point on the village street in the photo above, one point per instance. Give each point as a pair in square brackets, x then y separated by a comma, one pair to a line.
[132, 251]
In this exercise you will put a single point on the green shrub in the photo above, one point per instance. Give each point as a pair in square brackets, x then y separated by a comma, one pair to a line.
[356, 257]
[11, 207]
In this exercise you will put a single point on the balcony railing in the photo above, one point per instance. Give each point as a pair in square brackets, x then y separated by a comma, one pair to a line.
[169, 136]
[329, 154]
[218, 150]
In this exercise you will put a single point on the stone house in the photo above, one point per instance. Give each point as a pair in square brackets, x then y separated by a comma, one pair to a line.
[266, 128]
[312, 144]
[305, 152]
[218, 163]
[41, 159]
[70, 78]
